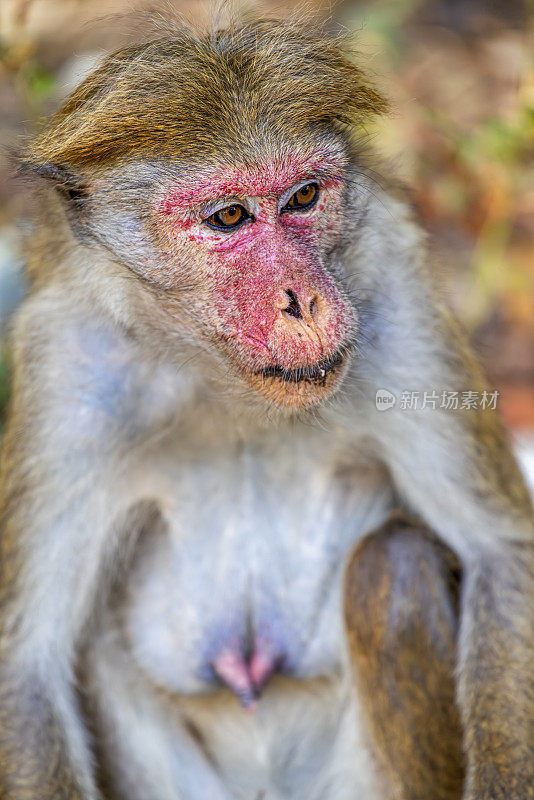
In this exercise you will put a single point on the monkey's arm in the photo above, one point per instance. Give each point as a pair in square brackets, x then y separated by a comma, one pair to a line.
[460, 478]
[456, 470]
[61, 477]
[401, 613]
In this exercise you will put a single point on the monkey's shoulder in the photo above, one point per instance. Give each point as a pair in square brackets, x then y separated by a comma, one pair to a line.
[88, 373]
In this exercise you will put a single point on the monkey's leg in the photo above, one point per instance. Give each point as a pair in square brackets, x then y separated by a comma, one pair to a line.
[401, 597]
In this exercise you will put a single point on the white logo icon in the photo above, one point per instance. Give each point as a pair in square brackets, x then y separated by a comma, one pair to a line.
[384, 400]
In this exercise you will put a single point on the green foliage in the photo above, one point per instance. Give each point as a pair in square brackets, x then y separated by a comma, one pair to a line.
[37, 84]
[385, 20]
[507, 141]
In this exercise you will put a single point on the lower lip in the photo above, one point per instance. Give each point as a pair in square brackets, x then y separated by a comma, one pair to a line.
[316, 374]
[299, 388]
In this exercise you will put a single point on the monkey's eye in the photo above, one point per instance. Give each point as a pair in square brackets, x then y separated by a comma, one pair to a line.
[304, 198]
[228, 218]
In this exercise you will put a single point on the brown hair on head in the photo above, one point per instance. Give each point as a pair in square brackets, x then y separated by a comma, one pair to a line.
[186, 95]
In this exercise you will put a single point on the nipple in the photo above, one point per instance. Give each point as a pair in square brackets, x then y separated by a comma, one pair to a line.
[247, 677]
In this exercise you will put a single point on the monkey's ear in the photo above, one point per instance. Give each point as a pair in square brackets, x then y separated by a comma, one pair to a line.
[69, 186]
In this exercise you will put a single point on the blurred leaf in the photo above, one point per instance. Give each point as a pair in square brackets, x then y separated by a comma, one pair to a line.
[38, 84]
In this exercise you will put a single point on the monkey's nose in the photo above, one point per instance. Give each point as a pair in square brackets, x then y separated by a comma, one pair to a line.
[303, 317]
[302, 307]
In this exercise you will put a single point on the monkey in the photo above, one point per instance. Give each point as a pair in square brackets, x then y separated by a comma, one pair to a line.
[226, 572]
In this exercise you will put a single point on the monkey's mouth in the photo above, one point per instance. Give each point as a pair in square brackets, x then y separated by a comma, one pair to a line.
[316, 373]
[303, 386]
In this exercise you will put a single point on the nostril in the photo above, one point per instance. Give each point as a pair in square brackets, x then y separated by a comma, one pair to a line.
[293, 308]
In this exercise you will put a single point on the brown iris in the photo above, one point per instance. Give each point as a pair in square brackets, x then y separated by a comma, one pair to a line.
[228, 218]
[304, 198]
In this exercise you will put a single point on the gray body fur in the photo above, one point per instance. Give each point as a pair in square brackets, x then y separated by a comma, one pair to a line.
[227, 518]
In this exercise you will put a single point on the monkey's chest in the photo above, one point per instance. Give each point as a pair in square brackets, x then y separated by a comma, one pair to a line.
[234, 599]
[243, 577]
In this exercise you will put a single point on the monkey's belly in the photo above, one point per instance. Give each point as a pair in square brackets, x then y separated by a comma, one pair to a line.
[304, 742]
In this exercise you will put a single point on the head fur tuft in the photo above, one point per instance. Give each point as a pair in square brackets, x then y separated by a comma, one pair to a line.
[189, 95]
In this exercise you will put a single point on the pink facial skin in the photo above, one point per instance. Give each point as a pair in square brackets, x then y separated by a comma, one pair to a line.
[269, 179]
[247, 272]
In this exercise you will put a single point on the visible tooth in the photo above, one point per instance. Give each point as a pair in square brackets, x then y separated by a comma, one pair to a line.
[323, 373]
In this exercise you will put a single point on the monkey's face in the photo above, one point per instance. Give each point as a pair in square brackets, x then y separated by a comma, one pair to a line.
[254, 244]
[212, 167]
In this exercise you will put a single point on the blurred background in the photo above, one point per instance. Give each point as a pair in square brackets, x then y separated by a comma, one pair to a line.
[460, 76]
